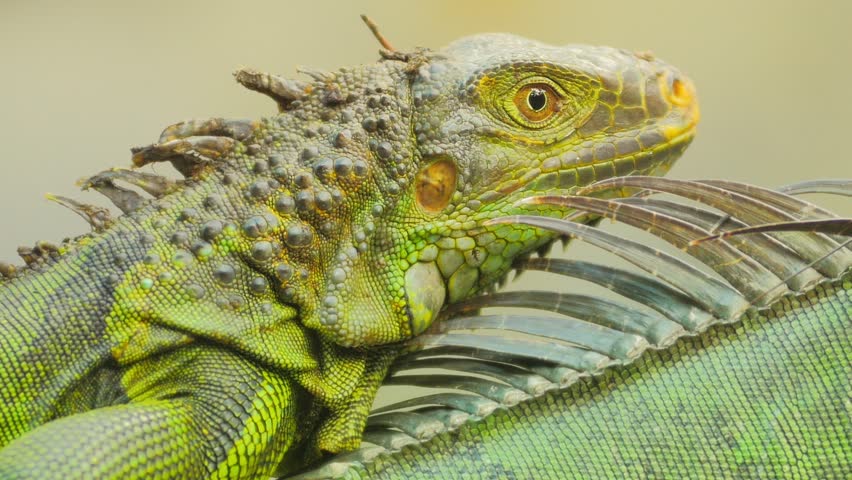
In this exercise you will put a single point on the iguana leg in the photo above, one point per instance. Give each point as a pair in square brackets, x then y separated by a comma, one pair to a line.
[197, 412]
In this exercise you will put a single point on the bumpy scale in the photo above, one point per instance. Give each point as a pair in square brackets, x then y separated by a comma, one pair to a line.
[239, 323]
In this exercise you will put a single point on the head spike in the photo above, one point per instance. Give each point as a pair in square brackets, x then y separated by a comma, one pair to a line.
[283, 90]
[190, 156]
[99, 218]
[126, 200]
[157, 186]
[7, 270]
[316, 75]
[41, 252]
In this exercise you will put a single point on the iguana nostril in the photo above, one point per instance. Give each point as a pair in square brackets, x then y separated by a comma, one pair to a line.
[681, 93]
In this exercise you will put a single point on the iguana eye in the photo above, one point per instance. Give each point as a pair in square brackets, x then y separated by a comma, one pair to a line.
[537, 102]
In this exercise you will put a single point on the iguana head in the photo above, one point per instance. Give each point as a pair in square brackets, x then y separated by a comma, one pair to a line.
[495, 118]
[362, 204]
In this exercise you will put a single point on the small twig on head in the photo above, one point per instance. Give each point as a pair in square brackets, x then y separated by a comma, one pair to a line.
[375, 29]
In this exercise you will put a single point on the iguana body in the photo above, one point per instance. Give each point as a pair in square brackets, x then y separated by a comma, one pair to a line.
[235, 325]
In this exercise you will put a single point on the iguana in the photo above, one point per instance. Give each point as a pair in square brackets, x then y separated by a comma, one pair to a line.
[679, 375]
[239, 323]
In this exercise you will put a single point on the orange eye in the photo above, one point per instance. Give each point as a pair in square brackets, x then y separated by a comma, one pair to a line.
[537, 102]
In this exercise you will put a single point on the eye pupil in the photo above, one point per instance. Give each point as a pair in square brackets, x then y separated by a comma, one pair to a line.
[537, 99]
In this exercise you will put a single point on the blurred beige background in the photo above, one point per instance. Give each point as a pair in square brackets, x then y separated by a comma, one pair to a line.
[84, 81]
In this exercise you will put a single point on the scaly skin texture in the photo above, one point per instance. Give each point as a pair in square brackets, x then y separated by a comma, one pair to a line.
[239, 323]
[763, 398]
